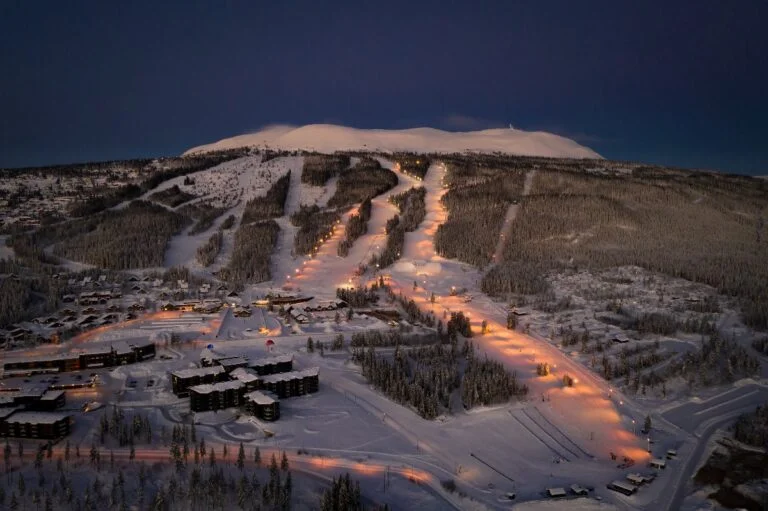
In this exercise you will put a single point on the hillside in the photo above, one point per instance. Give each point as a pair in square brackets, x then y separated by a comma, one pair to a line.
[329, 138]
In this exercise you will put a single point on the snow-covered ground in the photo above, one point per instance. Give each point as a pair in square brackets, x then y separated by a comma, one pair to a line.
[329, 138]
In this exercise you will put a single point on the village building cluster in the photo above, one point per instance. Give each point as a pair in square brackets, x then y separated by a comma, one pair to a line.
[257, 386]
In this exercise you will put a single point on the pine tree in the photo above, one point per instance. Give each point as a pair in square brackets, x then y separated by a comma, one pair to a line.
[257, 456]
[310, 345]
[647, 424]
[241, 457]
[284, 462]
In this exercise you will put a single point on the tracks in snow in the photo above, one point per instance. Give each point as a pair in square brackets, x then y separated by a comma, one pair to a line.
[548, 434]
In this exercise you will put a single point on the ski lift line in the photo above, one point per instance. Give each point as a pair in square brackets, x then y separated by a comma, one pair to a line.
[561, 432]
[532, 432]
[550, 435]
[491, 467]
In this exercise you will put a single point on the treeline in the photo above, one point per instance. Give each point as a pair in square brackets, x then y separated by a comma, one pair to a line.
[207, 253]
[26, 292]
[703, 228]
[487, 382]
[205, 215]
[356, 227]
[718, 361]
[271, 205]
[379, 339]
[133, 237]
[752, 428]
[172, 197]
[314, 225]
[414, 164]
[476, 211]
[178, 167]
[319, 168]
[363, 181]
[254, 244]
[92, 479]
[411, 205]
[358, 297]
[422, 378]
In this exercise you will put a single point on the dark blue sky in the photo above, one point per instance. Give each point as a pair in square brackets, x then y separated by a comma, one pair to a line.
[682, 83]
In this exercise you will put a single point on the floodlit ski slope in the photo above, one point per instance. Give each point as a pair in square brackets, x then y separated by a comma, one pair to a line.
[327, 270]
[523, 441]
[329, 138]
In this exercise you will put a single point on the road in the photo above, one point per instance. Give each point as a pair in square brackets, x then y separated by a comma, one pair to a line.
[702, 419]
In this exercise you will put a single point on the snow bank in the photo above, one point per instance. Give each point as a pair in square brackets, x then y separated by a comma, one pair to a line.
[329, 138]
[572, 504]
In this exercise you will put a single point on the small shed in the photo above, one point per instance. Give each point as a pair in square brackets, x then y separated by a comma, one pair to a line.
[556, 493]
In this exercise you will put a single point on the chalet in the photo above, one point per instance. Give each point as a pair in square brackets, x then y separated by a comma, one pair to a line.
[44, 425]
[136, 307]
[136, 288]
[168, 306]
[636, 479]
[620, 339]
[184, 379]
[113, 308]
[133, 278]
[658, 463]
[242, 312]
[216, 396]
[262, 405]
[68, 298]
[298, 315]
[90, 310]
[295, 383]
[272, 365]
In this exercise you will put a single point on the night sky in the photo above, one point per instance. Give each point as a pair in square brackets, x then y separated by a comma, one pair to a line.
[681, 83]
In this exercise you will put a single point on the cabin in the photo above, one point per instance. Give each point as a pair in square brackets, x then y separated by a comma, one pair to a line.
[658, 463]
[671, 454]
[636, 479]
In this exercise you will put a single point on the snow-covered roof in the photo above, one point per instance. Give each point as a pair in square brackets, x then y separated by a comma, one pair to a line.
[207, 388]
[274, 378]
[260, 398]
[280, 359]
[52, 395]
[197, 371]
[244, 375]
[36, 418]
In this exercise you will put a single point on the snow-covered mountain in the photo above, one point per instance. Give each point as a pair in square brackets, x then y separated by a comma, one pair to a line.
[328, 138]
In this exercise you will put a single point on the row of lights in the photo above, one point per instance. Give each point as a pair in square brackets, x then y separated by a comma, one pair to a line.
[314, 250]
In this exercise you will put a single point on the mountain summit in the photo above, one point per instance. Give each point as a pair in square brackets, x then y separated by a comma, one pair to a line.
[328, 138]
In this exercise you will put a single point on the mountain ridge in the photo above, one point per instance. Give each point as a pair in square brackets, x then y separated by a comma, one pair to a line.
[330, 138]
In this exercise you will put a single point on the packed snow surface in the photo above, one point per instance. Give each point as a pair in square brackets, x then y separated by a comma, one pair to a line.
[329, 138]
